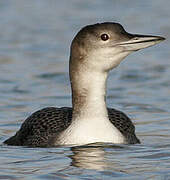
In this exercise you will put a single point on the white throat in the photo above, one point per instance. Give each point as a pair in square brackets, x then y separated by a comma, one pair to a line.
[93, 90]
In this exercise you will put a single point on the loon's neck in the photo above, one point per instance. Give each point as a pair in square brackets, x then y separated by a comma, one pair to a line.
[88, 94]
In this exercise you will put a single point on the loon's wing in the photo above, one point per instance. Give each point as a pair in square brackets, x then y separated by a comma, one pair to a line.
[123, 124]
[42, 127]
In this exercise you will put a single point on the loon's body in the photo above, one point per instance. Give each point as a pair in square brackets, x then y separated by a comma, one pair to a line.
[95, 50]
[43, 127]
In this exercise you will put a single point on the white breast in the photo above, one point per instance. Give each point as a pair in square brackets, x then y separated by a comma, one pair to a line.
[86, 131]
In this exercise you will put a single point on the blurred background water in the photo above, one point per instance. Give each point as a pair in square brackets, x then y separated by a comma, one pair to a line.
[35, 37]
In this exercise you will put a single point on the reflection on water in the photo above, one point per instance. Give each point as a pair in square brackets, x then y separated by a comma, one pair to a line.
[34, 49]
[89, 157]
[96, 156]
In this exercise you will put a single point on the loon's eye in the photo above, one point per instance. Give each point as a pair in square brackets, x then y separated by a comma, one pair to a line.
[104, 37]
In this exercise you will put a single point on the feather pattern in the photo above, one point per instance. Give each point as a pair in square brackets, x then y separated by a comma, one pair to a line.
[42, 128]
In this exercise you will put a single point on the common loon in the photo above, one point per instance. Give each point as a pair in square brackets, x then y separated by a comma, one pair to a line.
[95, 50]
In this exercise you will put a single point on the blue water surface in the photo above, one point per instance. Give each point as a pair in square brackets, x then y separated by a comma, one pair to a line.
[35, 37]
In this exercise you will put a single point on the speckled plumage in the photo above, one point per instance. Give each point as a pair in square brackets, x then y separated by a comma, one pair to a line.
[42, 127]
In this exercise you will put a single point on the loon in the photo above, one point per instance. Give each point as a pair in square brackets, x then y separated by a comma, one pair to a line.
[95, 50]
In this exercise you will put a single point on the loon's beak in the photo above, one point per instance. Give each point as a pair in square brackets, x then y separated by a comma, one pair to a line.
[136, 41]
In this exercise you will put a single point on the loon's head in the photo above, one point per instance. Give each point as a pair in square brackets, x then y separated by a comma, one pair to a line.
[101, 47]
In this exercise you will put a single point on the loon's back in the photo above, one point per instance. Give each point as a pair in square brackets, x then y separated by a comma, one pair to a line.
[42, 128]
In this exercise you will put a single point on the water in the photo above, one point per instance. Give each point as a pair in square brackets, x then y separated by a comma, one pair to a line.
[34, 49]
